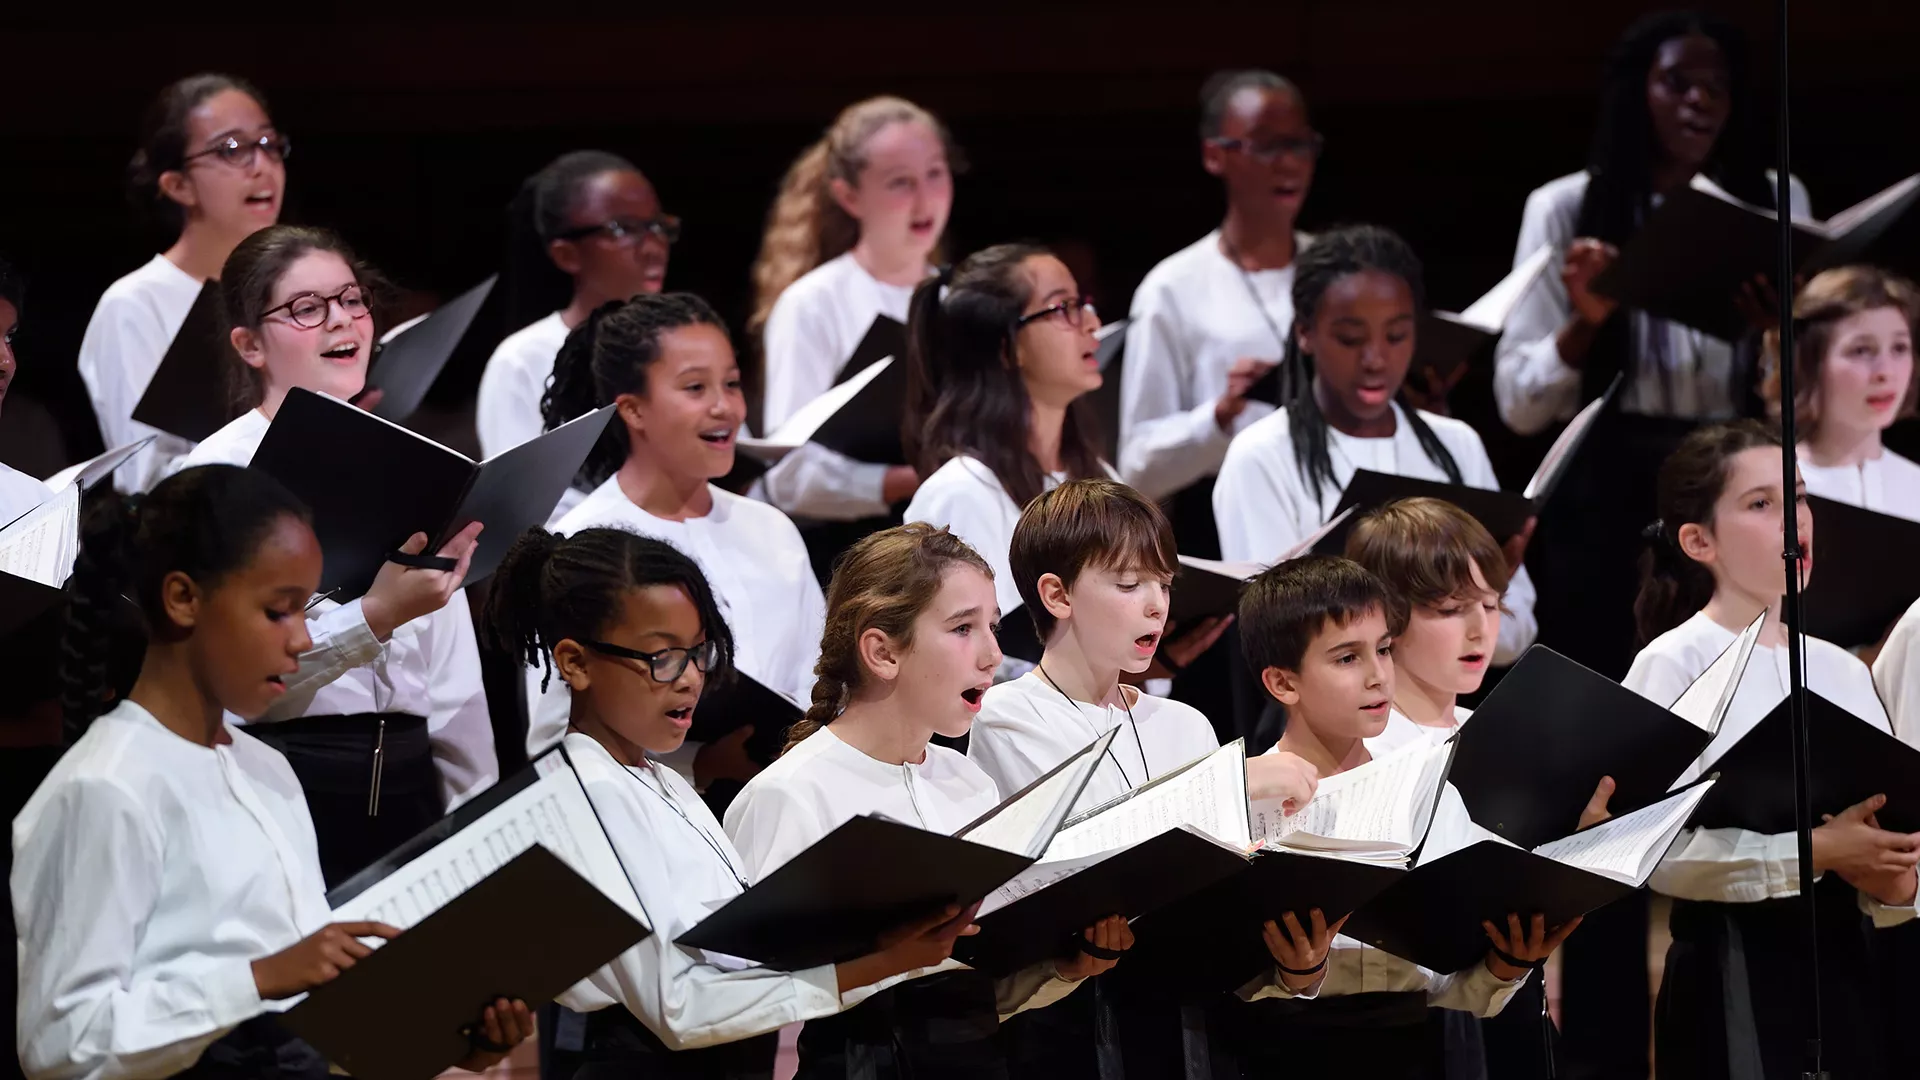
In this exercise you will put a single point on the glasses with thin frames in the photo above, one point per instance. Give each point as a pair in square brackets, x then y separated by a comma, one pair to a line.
[629, 231]
[308, 311]
[241, 153]
[1074, 312]
[665, 665]
[1267, 151]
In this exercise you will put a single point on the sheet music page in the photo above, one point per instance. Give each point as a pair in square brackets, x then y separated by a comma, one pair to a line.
[1317, 535]
[1240, 571]
[1371, 808]
[1628, 847]
[1024, 823]
[1705, 701]
[553, 811]
[1563, 446]
[799, 428]
[1210, 795]
[94, 469]
[1037, 877]
[1846, 220]
[1490, 312]
[41, 544]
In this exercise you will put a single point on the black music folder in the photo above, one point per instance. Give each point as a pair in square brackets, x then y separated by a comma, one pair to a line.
[1503, 513]
[1688, 262]
[885, 337]
[1865, 575]
[744, 701]
[1206, 588]
[90, 472]
[372, 483]
[191, 392]
[1432, 916]
[1566, 447]
[833, 901]
[1853, 759]
[1530, 756]
[408, 360]
[859, 418]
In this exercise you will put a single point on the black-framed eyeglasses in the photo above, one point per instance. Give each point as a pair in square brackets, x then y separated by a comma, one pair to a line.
[665, 665]
[629, 231]
[308, 311]
[1074, 312]
[240, 153]
[1267, 151]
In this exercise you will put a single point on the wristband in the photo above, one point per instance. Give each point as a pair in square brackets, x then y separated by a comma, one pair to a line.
[1315, 969]
[423, 562]
[1098, 952]
[1514, 961]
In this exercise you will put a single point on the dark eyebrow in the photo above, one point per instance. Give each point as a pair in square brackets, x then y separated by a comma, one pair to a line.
[960, 616]
[1345, 645]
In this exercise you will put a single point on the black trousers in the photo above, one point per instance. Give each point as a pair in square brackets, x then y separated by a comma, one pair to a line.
[259, 1049]
[940, 1027]
[1377, 1036]
[612, 1044]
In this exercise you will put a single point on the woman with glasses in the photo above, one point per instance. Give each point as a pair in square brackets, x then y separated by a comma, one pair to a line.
[386, 725]
[666, 362]
[587, 229]
[210, 171]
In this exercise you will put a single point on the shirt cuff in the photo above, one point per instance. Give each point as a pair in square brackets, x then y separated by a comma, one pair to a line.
[233, 997]
[1271, 986]
[817, 991]
[1887, 915]
[1204, 431]
[354, 641]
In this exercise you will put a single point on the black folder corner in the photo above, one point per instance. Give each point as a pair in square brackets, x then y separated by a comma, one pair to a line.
[885, 336]
[1865, 575]
[191, 392]
[832, 902]
[405, 368]
[1528, 760]
[743, 701]
[1018, 637]
[1200, 593]
[528, 931]
[1502, 513]
[1853, 760]
[23, 603]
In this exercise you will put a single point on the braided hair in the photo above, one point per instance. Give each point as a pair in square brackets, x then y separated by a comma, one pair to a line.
[550, 588]
[203, 522]
[1334, 255]
[1672, 585]
[541, 210]
[608, 355]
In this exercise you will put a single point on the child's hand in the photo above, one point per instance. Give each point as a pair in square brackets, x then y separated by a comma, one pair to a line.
[1279, 775]
[1586, 259]
[1596, 811]
[1101, 946]
[401, 594]
[725, 758]
[1301, 954]
[1530, 946]
[1871, 859]
[316, 959]
[503, 1026]
[923, 943]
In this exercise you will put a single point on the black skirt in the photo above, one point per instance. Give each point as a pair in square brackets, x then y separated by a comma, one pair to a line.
[1381, 1036]
[333, 756]
[940, 1027]
[259, 1049]
[612, 1044]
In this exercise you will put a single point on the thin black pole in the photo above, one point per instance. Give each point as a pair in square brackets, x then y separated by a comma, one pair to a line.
[1796, 673]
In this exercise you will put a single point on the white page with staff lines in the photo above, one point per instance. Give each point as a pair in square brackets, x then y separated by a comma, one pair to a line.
[42, 544]
[1628, 847]
[1210, 795]
[1382, 807]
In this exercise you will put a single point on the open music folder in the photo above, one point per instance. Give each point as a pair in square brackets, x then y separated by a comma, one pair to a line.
[1432, 916]
[744, 701]
[1852, 759]
[1864, 574]
[1206, 588]
[860, 415]
[831, 902]
[1700, 245]
[1566, 447]
[1503, 513]
[37, 553]
[517, 894]
[411, 356]
[90, 472]
[372, 483]
[191, 392]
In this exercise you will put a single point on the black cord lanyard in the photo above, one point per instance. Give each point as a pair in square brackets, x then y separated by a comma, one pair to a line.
[1131, 722]
[661, 793]
[1253, 294]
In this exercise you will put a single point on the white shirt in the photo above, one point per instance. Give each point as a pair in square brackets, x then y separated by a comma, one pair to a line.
[1264, 508]
[1888, 484]
[1735, 865]
[19, 493]
[1534, 387]
[1402, 732]
[1026, 727]
[755, 562]
[683, 867]
[1192, 320]
[429, 668]
[810, 334]
[149, 873]
[508, 411]
[964, 496]
[133, 324]
[1896, 673]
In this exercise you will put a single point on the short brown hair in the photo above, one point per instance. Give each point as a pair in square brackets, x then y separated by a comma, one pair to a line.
[1286, 605]
[1081, 524]
[1425, 550]
[1833, 295]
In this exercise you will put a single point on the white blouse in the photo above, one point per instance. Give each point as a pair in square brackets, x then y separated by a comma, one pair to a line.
[1193, 318]
[964, 496]
[1534, 387]
[19, 493]
[430, 667]
[1735, 865]
[683, 867]
[1401, 732]
[1264, 508]
[149, 874]
[1026, 727]
[810, 334]
[1896, 673]
[1888, 484]
[762, 579]
[516, 377]
[131, 328]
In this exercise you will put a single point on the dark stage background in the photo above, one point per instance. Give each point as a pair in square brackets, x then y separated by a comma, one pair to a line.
[414, 125]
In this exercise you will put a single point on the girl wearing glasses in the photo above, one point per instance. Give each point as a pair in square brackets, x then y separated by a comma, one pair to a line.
[857, 224]
[210, 171]
[666, 362]
[587, 229]
[392, 682]
[630, 625]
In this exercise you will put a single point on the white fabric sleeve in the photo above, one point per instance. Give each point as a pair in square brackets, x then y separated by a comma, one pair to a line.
[1532, 386]
[1896, 675]
[84, 884]
[1034, 987]
[1886, 915]
[1254, 508]
[507, 412]
[1167, 440]
[1269, 985]
[342, 641]
[1731, 866]
[459, 727]
[119, 329]
[826, 485]
[802, 358]
[1476, 990]
[768, 828]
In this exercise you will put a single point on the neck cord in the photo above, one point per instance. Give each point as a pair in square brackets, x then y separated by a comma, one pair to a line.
[1146, 769]
[661, 793]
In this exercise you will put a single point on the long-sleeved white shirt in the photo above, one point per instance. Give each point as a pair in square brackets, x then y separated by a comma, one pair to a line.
[1534, 387]
[1735, 865]
[964, 496]
[1263, 506]
[757, 565]
[810, 334]
[508, 410]
[430, 667]
[1896, 674]
[1026, 727]
[1888, 484]
[683, 867]
[822, 783]
[149, 873]
[19, 493]
[1193, 318]
[131, 328]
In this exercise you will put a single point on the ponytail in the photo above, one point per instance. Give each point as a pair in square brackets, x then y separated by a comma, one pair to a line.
[1672, 586]
[104, 633]
[925, 330]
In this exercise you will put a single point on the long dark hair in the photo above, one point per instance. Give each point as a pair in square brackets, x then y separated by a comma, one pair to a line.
[1620, 160]
[1333, 255]
[163, 144]
[204, 522]
[1672, 585]
[539, 213]
[964, 393]
[608, 355]
[246, 288]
